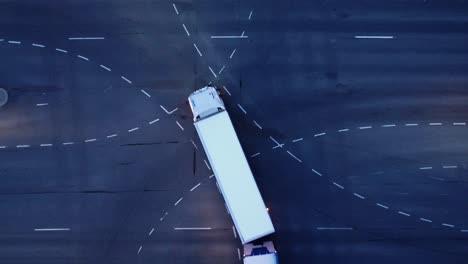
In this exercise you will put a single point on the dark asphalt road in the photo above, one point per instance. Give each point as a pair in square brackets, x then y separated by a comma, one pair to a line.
[97, 136]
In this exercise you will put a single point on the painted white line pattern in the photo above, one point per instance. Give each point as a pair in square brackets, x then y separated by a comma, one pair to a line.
[23, 146]
[234, 231]
[425, 220]
[192, 228]
[168, 112]
[51, 229]
[229, 37]
[180, 126]
[258, 125]
[38, 45]
[61, 50]
[338, 185]
[374, 37]
[194, 145]
[196, 47]
[255, 155]
[412, 124]
[292, 155]
[459, 124]
[133, 129]
[178, 201]
[145, 93]
[68, 143]
[365, 127]
[250, 15]
[125, 79]
[335, 228]
[381, 205]
[297, 140]
[227, 91]
[90, 140]
[207, 165]
[222, 69]
[82, 57]
[238, 254]
[242, 108]
[111, 136]
[105, 68]
[449, 167]
[42, 104]
[154, 121]
[448, 225]
[403, 213]
[46, 145]
[316, 172]
[186, 30]
[389, 125]
[320, 134]
[139, 250]
[232, 54]
[360, 196]
[212, 72]
[425, 168]
[343, 130]
[175, 8]
[14, 42]
[151, 232]
[435, 124]
[86, 38]
[195, 187]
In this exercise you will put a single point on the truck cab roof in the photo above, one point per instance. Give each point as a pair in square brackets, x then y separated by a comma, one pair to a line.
[205, 102]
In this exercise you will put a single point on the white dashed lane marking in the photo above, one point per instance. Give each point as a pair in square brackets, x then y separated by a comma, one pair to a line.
[154, 121]
[449, 167]
[373, 37]
[151, 232]
[145, 93]
[194, 145]
[316, 172]
[61, 50]
[435, 124]
[232, 54]
[320, 134]
[425, 168]
[403, 213]
[258, 125]
[180, 126]
[297, 140]
[221, 70]
[192, 228]
[38, 45]
[425, 220]
[292, 155]
[227, 91]
[125, 79]
[186, 30]
[250, 15]
[168, 112]
[207, 165]
[359, 196]
[90, 140]
[23, 146]
[83, 57]
[448, 225]
[196, 47]
[412, 124]
[178, 201]
[242, 108]
[195, 187]
[459, 124]
[133, 129]
[365, 127]
[14, 42]
[229, 37]
[46, 145]
[111, 136]
[86, 38]
[255, 155]
[212, 72]
[105, 68]
[42, 104]
[381, 205]
[338, 185]
[343, 130]
[175, 8]
[389, 125]
[139, 250]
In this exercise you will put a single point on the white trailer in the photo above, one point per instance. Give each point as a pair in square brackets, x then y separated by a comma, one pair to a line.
[230, 166]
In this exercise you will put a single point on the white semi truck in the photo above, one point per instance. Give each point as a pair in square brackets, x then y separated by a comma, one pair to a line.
[233, 175]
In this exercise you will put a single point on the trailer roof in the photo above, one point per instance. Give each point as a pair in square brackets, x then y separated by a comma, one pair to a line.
[234, 177]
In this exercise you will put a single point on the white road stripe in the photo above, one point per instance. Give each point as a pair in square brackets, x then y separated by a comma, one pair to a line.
[180, 126]
[42, 104]
[234, 231]
[61, 50]
[227, 91]
[343, 130]
[90, 140]
[14, 42]
[297, 140]
[212, 72]
[337, 185]
[389, 125]
[250, 15]
[3, 147]
[320, 134]
[125, 79]
[192, 228]
[164, 216]
[194, 145]
[316, 172]
[360, 196]
[255, 155]
[133, 129]
[144, 92]
[23, 146]
[232, 54]
[168, 112]
[449, 167]
[373, 37]
[448, 225]
[435, 124]
[175, 8]
[365, 127]
[46, 145]
[381, 205]
[292, 155]
[178, 201]
[154, 121]
[82, 57]
[411, 124]
[403, 213]
[238, 254]
[258, 125]
[51, 229]
[111, 136]
[222, 69]
[186, 30]
[242, 108]
[139, 250]
[425, 220]
[151, 232]
[207, 165]
[211, 176]
[194, 187]
[459, 124]
[464, 230]
[199, 53]
[425, 168]
[86, 38]
[229, 37]
[68, 143]
[105, 68]
[38, 45]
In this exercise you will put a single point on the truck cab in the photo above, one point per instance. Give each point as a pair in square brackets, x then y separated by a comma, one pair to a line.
[205, 102]
[264, 253]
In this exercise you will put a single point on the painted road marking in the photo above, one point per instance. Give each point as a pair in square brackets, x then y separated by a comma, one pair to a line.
[125, 79]
[255, 155]
[186, 30]
[68, 143]
[250, 15]
[403, 213]
[82, 57]
[14, 42]
[227, 91]
[145, 93]
[337, 185]
[389, 125]
[133, 129]
[199, 53]
[168, 112]
[411, 124]
[46, 145]
[86, 38]
[343, 130]
[316, 172]
[242, 108]
[320, 134]
[229, 37]
[175, 8]
[105, 68]
[435, 124]
[425, 220]
[154, 121]
[222, 69]
[360, 196]
[278, 145]
[194, 187]
[448, 225]
[38, 45]
[365, 127]
[449, 167]
[381, 205]
[192, 228]
[180, 126]
[90, 140]
[194, 145]
[232, 54]
[238, 254]
[234, 231]
[207, 165]
[42, 104]
[459, 124]
[139, 250]
[258, 125]
[51, 229]
[23, 146]
[111, 136]
[373, 37]
[292, 155]
[297, 140]
[425, 168]
[212, 72]
[164, 216]
[151, 232]
[178, 201]
[61, 50]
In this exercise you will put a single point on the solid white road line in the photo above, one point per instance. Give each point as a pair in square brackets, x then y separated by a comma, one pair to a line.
[86, 38]
[199, 52]
[373, 37]
[51, 229]
[192, 228]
